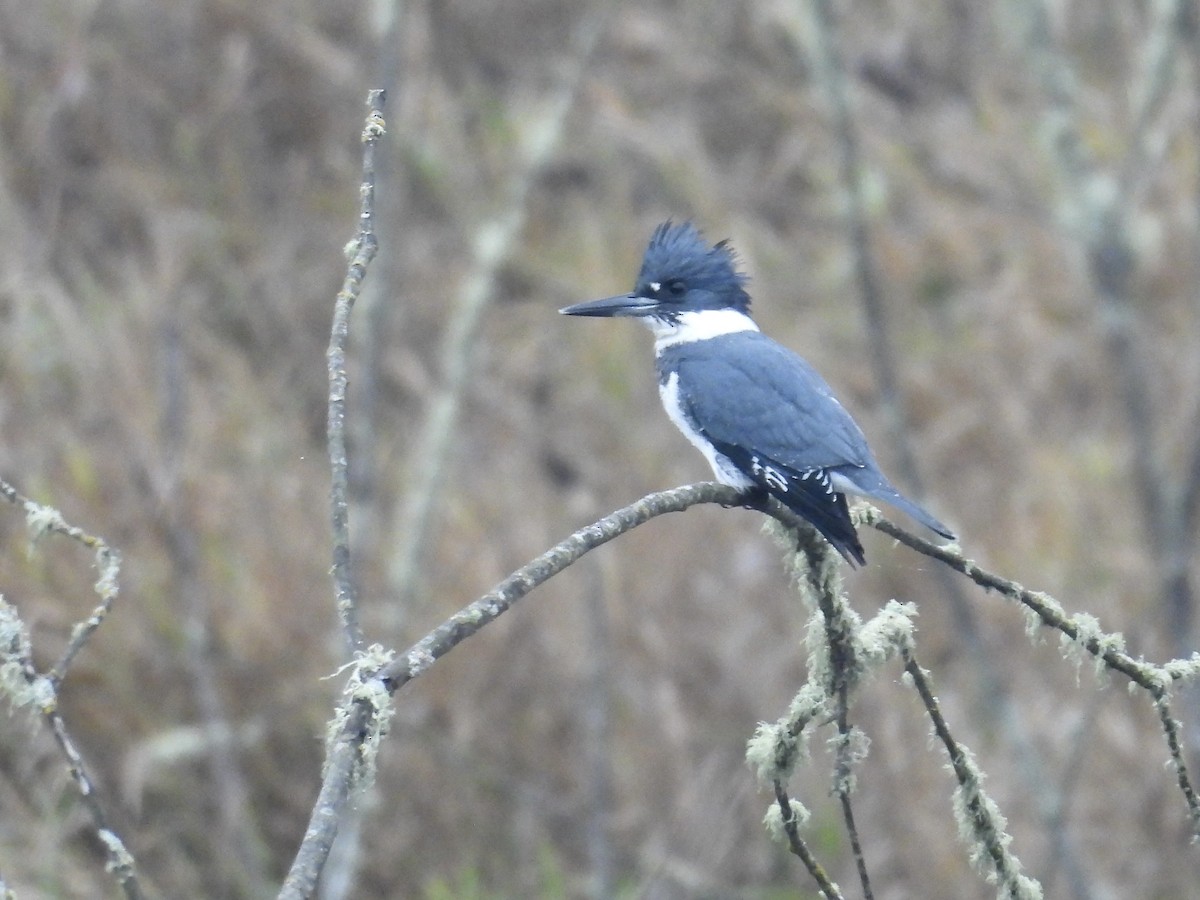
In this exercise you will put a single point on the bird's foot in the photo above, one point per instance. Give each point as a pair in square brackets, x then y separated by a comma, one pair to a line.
[752, 498]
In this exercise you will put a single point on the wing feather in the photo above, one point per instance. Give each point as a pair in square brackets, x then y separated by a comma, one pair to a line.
[744, 390]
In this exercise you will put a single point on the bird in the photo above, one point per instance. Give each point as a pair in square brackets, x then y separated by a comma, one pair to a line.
[763, 417]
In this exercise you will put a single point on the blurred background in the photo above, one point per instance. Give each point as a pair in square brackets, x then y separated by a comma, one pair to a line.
[979, 221]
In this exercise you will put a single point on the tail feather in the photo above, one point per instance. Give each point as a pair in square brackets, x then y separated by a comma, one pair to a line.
[902, 503]
[871, 483]
[828, 513]
[810, 496]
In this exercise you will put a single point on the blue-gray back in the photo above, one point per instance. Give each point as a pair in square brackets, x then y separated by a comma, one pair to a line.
[745, 390]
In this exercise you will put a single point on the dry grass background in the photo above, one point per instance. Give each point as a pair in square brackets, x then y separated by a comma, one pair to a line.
[177, 182]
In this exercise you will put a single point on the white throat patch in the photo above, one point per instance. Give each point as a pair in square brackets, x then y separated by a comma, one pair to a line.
[698, 325]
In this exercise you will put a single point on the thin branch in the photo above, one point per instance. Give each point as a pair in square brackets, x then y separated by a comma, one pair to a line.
[347, 745]
[336, 786]
[843, 781]
[1170, 726]
[1047, 609]
[41, 691]
[42, 519]
[360, 721]
[841, 624]
[791, 828]
[362, 250]
[468, 621]
[984, 825]
[1106, 648]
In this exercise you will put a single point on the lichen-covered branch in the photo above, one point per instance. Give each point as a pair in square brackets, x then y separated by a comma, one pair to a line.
[1083, 633]
[981, 825]
[23, 685]
[360, 716]
[786, 817]
[41, 520]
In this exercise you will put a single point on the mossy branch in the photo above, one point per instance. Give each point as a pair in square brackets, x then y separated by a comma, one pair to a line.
[24, 685]
[1083, 632]
[981, 825]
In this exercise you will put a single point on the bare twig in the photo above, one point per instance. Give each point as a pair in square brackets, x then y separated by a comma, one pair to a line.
[336, 786]
[843, 787]
[361, 251]
[1103, 646]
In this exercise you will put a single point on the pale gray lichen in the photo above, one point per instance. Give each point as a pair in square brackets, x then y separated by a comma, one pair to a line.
[1182, 670]
[771, 753]
[1033, 625]
[108, 561]
[418, 661]
[17, 683]
[851, 748]
[120, 860]
[375, 128]
[777, 747]
[981, 827]
[41, 519]
[810, 703]
[887, 634]
[1090, 642]
[828, 576]
[1046, 602]
[363, 685]
[817, 647]
[774, 819]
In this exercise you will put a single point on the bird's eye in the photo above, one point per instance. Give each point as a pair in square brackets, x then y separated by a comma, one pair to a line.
[677, 288]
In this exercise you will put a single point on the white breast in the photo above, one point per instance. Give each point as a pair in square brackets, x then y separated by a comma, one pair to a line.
[723, 468]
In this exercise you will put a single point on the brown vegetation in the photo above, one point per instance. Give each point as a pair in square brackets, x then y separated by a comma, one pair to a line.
[177, 184]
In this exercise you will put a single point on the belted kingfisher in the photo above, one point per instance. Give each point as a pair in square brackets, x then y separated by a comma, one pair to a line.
[762, 416]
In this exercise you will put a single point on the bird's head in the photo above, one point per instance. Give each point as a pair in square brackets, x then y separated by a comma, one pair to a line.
[681, 273]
